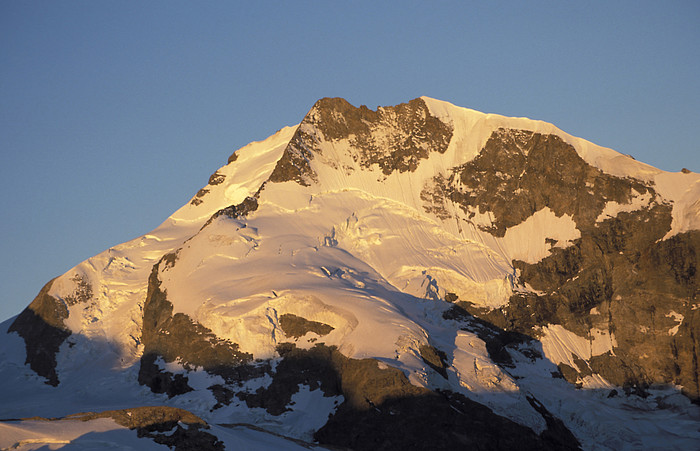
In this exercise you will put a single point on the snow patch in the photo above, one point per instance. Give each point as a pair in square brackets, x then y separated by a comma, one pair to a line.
[558, 343]
[676, 317]
[683, 190]
[528, 240]
[475, 370]
[561, 345]
[612, 208]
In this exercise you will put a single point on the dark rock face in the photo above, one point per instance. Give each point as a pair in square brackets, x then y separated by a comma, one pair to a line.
[361, 382]
[182, 436]
[241, 210]
[557, 435]
[639, 292]
[520, 172]
[313, 368]
[383, 410]
[497, 340]
[430, 421]
[43, 330]
[295, 164]
[197, 199]
[435, 359]
[82, 293]
[214, 179]
[296, 326]
[140, 417]
[620, 276]
[176, 336]
[249, 204]
[161, 381]
[395, 138]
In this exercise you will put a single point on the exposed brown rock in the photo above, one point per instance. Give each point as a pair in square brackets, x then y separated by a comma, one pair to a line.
[637, 282]
[490, 327]
[241, 210]
[638, 290]
[159, 380]
[569, 373]
[197, 199]
[296, 326]
[295, 164]
[557, 435]
[383, 410]
[360, 381]
[216, 178]
[178, 337]
[141, 417]
[436, 421]
[520, 172]
[169, 259]
[434, 358]
[82, 293]
[394, 138]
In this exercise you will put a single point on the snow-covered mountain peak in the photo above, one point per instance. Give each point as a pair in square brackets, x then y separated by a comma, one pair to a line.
[382, 151]
[375, 265]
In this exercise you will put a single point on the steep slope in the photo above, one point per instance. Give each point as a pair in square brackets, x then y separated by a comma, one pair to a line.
[368, 272]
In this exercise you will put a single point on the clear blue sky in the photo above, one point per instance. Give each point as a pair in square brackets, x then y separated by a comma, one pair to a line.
[114, 113]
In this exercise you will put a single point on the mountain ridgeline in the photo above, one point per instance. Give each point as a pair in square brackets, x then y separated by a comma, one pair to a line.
[420, 275]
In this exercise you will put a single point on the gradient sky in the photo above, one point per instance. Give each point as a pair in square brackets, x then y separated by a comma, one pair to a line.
[114, 113]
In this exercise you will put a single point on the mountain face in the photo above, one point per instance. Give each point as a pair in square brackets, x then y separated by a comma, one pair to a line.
[421, 276]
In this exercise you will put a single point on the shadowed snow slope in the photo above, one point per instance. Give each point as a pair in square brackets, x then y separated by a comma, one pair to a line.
[420, 275]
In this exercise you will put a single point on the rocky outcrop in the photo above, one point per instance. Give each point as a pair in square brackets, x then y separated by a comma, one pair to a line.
[432, 421]
[82, 292]
[177, 337]
[197, 199]
[296, 326]
[383, 410]
[215, 179]
[295, 164]
[42, 327]
[395, 138]
[249, 205]
[160, 380]
[519, 172]
[498, 339]
[434, 358]
[628, 284]
[620, 277]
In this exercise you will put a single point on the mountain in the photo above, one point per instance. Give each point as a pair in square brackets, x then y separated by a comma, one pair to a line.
[423, 276]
